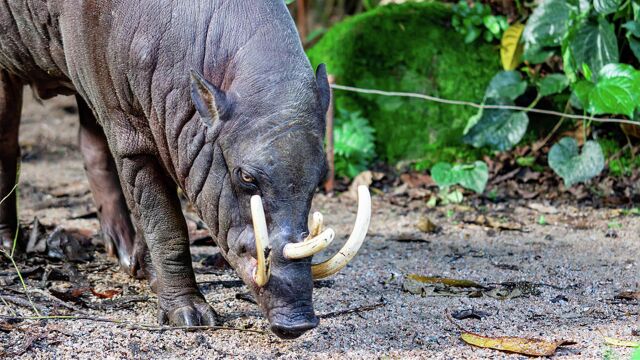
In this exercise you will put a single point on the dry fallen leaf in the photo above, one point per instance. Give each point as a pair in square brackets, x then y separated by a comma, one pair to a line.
[426, 225]
[445, 281]
[415, 180]
[107, 294]
[621, 343]
[494, 223]
[628, 295]
[531, 347]
[365, 178]
[543, 208]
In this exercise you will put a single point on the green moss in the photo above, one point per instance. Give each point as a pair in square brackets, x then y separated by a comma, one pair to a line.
[411, 48]
[624, 162]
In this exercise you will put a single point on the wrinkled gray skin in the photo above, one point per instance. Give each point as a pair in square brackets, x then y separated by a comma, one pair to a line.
[259, 109]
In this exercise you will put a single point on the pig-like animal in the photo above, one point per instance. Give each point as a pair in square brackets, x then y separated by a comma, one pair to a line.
[216, 97]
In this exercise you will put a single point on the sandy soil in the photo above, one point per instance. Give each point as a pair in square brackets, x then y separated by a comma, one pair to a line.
[581, 259]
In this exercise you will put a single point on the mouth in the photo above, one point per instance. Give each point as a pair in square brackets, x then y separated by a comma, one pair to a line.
[292, 325]
[317, 241]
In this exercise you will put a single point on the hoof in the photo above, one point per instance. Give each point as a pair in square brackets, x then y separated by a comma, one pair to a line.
[7, 236]
[189, 311]
[118, 242]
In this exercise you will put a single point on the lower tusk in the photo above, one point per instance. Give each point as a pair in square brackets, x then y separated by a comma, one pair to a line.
[261, 275]
[350, 249]
[310, 246]
[316, 225]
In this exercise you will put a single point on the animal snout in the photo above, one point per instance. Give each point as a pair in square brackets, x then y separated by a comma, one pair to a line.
[291, 327]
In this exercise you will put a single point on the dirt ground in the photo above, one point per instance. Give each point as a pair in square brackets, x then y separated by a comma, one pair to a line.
[556, 279]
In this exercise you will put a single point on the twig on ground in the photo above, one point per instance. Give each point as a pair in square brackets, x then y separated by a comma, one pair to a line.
[130, 325]
[56, 300]
[356, 310]
[18, 301]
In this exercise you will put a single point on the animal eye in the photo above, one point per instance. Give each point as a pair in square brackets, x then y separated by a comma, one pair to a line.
[247, 178]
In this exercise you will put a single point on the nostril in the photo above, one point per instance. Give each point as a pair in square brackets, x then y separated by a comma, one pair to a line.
[292, 331]
[243, 249]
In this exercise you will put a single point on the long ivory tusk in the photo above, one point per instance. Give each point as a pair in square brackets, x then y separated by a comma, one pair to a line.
[316, 226]
[310, 246]
[350, 249]
[261, 275]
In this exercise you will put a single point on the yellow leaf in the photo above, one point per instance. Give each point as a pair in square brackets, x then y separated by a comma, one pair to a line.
[511, 48]
[531, 347]
[445, 281]
[621, 343]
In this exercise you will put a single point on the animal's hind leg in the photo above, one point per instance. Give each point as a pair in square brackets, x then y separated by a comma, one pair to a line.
[10, 108]
[115, 221]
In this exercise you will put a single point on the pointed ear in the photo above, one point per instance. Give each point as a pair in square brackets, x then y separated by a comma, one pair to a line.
[210, 101]
[323, 87]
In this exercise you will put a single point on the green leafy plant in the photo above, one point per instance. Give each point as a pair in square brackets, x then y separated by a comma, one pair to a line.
[473, 21]
[469, 176]
[596, 77]
[574, 166]
[353, 143]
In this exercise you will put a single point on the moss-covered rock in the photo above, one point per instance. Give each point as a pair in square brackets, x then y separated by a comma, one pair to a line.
[412, 48]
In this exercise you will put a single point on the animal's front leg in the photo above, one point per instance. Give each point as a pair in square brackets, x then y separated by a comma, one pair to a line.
[157, 210]
[10, 106]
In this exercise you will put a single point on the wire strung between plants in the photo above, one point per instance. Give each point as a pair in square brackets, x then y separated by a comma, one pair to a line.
[480, 106]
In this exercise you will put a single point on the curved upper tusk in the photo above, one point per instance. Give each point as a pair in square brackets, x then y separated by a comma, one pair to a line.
[261, 275]
[310, 246]
[316, 225]
[350, 249]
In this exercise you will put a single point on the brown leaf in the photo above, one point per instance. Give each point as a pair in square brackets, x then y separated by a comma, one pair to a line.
[74, 189]
[631, 130]
[628, 295]
[365, 178]
[426, 225]
[108, 294]
[445, 281]
[488, 221]
[469, 314]
[544, 209]
[75, 294]
[621, 343]
[531, 347]
[415, 180]
[7, 327]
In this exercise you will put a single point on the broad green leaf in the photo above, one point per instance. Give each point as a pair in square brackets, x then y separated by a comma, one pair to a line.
[633, 35]
[536, 54]
[473, 176]
[574, 167]
[506, 85]
[634, 44]
[548, 23]
[443, 175]
[633, 27]
[552, 84]
[613, 96]
[594, 44]
[454, 197]
[511, 47]
[499, 129]
[584, 6]
[618, 70]
[580, 95]
[606, 7]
